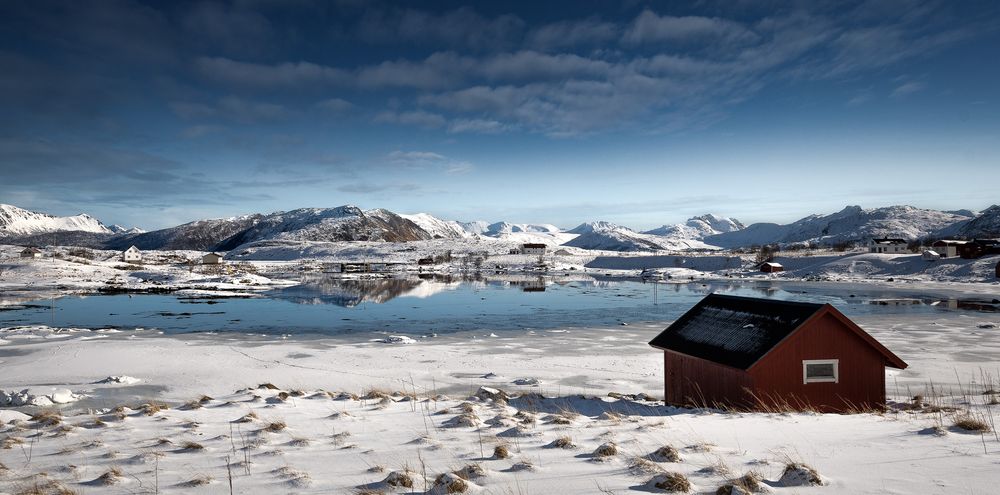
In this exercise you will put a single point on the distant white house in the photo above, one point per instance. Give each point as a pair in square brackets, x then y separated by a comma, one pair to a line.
[930, 255]
[886, 245]
[532, 248]
[132, 255]
[31, 252]
[211, 259]
[947, 248]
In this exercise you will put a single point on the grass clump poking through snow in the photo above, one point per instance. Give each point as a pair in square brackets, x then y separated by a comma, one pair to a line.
[400, 479]
[275, 426]
[606, 450]
[151, 408]
[968, 422]
[799, 474]
[112, 477]
[499, 452]
[198, 481]
[563, 442]
[450, 483]
[48, 417]
[670, 482]
[665, 454]
[192, 446]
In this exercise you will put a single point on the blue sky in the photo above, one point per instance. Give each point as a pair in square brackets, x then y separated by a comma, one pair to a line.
[640, 113]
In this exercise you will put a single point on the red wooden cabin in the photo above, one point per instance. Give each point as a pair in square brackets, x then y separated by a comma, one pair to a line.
[756, 354]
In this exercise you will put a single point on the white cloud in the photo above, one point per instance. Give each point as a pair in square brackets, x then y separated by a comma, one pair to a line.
[907, 89]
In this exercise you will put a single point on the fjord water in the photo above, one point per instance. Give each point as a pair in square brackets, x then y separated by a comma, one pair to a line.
[416, 306]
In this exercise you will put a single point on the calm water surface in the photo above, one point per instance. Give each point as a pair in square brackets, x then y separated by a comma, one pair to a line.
[418, 306]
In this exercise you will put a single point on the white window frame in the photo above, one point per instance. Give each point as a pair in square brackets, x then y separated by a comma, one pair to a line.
[836, 371]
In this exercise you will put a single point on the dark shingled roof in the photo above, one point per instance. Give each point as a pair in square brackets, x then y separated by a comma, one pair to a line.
[734, 331]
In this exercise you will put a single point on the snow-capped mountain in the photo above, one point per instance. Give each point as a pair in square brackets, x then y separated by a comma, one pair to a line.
[852, 224]
[118, 229]
[500, 228]
[344, 223]
[697, 228]
[611, 237]
[438, 228]
[16, 221]
[986, 225]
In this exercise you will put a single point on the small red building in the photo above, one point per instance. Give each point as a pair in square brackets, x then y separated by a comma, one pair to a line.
[771, 267]
[750, 353]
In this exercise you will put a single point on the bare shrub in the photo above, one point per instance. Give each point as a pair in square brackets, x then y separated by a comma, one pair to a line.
[499, 452]
[969, 422]
[275, 426]
[563, 442]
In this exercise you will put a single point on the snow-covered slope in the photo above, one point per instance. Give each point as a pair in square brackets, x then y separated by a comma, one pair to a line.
[852, 224]
[436, 227]
[984, 226]
[610, 237]
[697, 228]
[15, 221]
[499, 228]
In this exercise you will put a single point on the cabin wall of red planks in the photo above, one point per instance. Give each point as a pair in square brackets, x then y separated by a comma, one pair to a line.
[698, 382]
[777, 379]
[861, 382]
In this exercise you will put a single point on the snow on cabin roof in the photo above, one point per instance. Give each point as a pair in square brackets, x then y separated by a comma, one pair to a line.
[887, 240]
[734, 331]
[771, 263]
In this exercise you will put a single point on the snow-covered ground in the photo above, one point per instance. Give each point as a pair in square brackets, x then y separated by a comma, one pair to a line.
[327, 428]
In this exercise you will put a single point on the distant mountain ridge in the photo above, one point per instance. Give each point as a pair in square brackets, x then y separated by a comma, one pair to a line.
[16, 221]
[852, 224]
[350, 223]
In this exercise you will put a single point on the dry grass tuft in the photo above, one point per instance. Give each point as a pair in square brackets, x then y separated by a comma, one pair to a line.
[297, 393]
[665, 454]
[268, 386]
[112, 477]
[9, 442]
[378, 468]
[375, 394]
[198, 481]
[151, 408]
[299, 442]
[563, 442]
[464, 420]
[609, 449]
[400, 479]
[247, 418]
[48, 417]
[799, 474]
[471, 472]
[750, 481]
[192, 405]
[274, 426]
[670, 482]
[501, 452]
[450, 483]
[968, 422]
[192, 446]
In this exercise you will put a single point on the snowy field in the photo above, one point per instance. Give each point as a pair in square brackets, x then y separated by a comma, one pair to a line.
[328, 427]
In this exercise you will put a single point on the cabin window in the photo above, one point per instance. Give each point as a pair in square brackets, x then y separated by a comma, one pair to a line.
[820, 370]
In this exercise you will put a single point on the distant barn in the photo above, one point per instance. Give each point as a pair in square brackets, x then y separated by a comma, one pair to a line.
[757, 354]
[31, 252]
[211, 259]
[930, 255]
[979, 247]
[771, 267]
